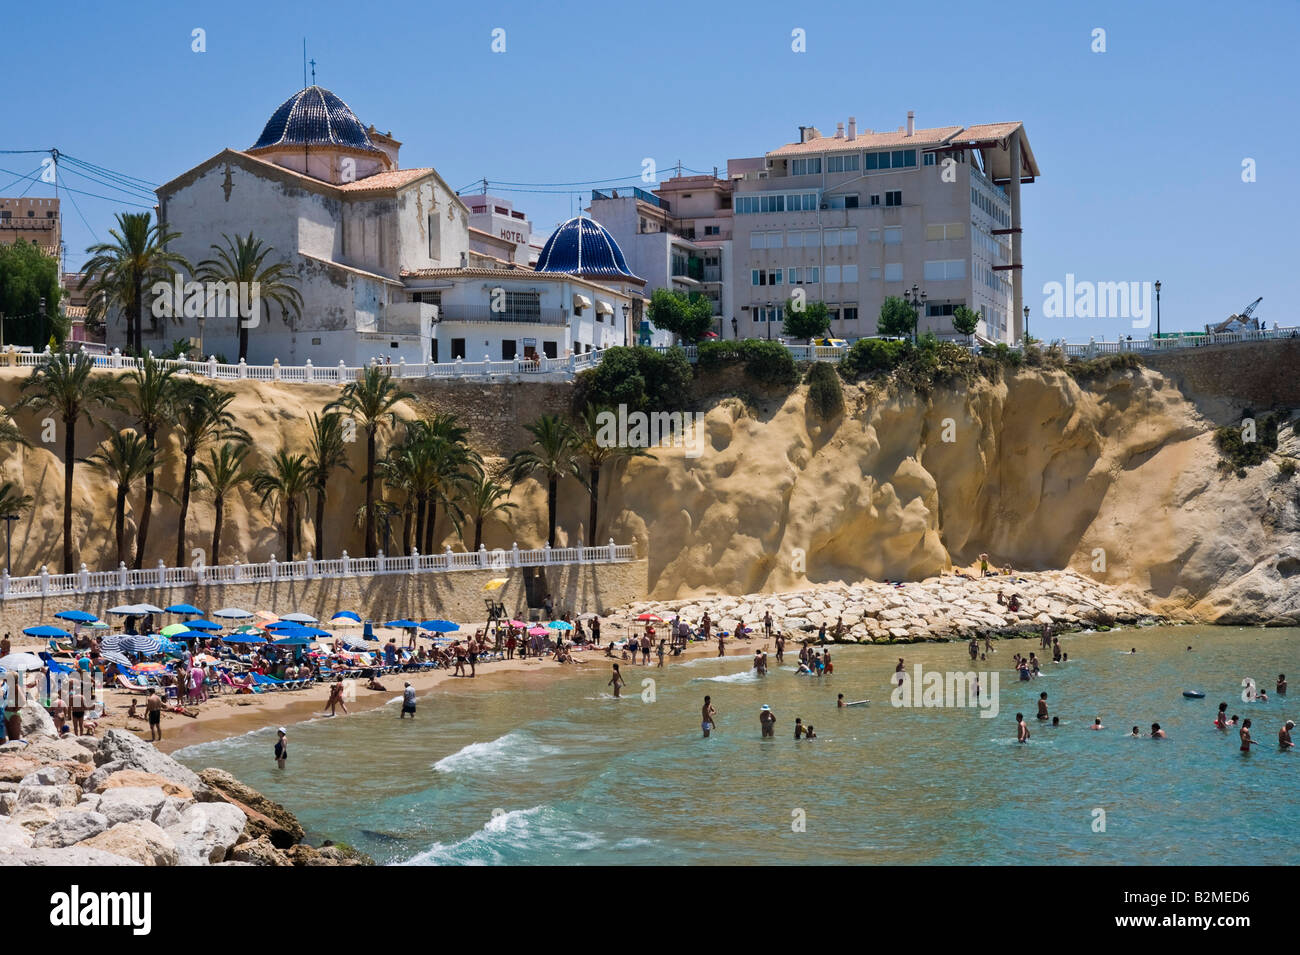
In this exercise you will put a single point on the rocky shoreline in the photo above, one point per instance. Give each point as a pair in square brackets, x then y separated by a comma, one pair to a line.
[935, 609]
[117, 800]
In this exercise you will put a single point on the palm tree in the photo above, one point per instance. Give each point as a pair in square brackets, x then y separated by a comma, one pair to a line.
[118, 272]
[483, 498]
[10, 433]
[12, 502]
[370, 400]
[449, 465]
[552, 454]
[67, 386]
[202, 415]
[327, 450]
[397, 473]
[125, 457]
[223, 471]
[592, 448]
[151, 400]
[243, 260]
[284, 484]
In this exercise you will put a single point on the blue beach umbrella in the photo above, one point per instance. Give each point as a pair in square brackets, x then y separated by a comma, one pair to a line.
[202, 625]
[76, 616]
[346, 615]
[440, 626]
[190, 609]
[560, 625]
[403, 624]
[190, 635]
[46, 631]
[111, 643]
[283, 625]
[243, 638]
[147, 644]
[294, 640]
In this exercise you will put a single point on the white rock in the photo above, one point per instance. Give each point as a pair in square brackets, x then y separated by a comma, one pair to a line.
[206, 832]
[70, 827]
[131, 803]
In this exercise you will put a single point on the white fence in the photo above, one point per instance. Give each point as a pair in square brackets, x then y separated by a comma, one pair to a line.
[329, 374]
[46, 584]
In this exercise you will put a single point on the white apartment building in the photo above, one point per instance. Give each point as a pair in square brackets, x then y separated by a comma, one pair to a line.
[862, 215]
[677, 237]
[500, 219]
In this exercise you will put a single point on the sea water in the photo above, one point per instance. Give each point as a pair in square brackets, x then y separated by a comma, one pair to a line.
[550, 769]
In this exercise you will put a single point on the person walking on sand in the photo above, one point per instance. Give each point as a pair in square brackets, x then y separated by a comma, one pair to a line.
[153, 714]
[408, 702]
[707, 714]
[281, 747]
[767, 721]
[767, 624]
[616, 681]
[336, 697]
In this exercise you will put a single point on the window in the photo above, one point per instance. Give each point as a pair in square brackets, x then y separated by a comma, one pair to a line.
[893, 235]
[429, 298]
[843, 202]
[457, 348]
[794, 240]
[809, 275]
[895, 159]
[805, 167]
[524, 306]
[770, 202]
[873, 235]
[549, 349]
[939, 311]
[814, 275]
[712, 230]
[765, 277]
[832, 274]
[508, 350]
[894, 272]
[850, 274]
[850, 313]
[894, 198]
[945, 230]
[842, 163]
[875, 200]
[875, 273]
[939, 270]
[929, 159]
[834, 237]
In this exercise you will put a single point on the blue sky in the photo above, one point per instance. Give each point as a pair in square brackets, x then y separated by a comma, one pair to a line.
[1141, 147]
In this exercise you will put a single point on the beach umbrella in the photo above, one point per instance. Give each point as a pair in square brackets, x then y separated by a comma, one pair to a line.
[403, 624]
[202, 625]
[76, 616]
[295, 640]
[537, 632]
[244, 635]
[98, 625]
[650, 616]
[112, 642]
[560, 625]
[346, 615]
[21, 661]
[517, 623]
[125, 609]
[112, 656]
[232, 613]
[190, 609]
[299, 618]
[147, 644]
[46, 631]
[439, 626]
[496, 583]
[189, 635]
[149, 608]
[171, 628]
[356, 643]
[282, 625]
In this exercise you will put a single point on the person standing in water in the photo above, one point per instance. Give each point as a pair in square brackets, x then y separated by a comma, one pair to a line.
[1246, 740]
[721, 644]
[798, 727]
[767, 721]
[1157, 732]
[616, 681]
[780, 648]
[1221, 721]
[707, 714]
[1284, 736]
[1281, 684]
[281, 747]
[1042, 706]
[839, 700]
[408, 702]
[1022, 729]
[336, 697]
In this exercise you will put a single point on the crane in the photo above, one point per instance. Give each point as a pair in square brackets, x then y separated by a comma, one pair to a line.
[1236, 323]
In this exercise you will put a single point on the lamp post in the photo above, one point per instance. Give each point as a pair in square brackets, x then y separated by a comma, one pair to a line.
[626, 328]
[768, 316]
[1026, 321]
[735, 328]
[915, 297]
[1157, 308]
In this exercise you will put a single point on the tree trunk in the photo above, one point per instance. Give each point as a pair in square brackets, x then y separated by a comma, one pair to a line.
[142, 531]
[478, 533]
[139, 320]
[119, 523]
[218, 508]
[551, 485]
[69, 462]
[243, 336]
[371, 547]
[595, 499]
[420, 510]
[429, 537]
[406, 528]
[187, 478]
[320, 522]
[288, 530]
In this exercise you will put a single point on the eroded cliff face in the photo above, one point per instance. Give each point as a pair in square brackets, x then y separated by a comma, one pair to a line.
[1117, 479]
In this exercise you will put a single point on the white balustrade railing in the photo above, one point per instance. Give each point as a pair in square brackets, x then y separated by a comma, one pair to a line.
[46, 584]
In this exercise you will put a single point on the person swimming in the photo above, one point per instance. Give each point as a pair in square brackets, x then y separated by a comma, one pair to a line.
[1157, 732]
[1096, 725]
[1136, 733]
[808, 733]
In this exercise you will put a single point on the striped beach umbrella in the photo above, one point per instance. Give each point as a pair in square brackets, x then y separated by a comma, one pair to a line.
[111, 643]
[146, 644]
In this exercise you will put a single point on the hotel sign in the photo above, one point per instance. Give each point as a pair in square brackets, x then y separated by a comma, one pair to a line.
[514, 236]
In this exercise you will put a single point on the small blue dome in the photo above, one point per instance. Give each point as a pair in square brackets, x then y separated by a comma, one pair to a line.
[314, 117]
[600, 254]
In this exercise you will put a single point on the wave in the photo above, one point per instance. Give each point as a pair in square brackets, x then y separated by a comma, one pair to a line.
[744, 676]
[512, 751]
[513, 836]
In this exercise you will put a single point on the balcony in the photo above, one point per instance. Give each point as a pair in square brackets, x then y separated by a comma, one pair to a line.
[483, 314]
[712, 273]
[631, 192]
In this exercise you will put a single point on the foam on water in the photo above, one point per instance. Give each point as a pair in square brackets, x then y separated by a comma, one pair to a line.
[508, 836]
[512, 751]
[744, 676]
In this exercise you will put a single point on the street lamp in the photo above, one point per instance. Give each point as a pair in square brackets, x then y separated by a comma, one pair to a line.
[915, 297]
[627, 332]
[735, 328]
[1026, 321]
[768, 316]
[1157, 308]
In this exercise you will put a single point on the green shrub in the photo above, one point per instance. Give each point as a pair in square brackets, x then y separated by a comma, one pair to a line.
[824, 391]
[768, 363]
[639, 377]
[1286, 470]
[1238, 453]
[870, 355]
[1092, 369]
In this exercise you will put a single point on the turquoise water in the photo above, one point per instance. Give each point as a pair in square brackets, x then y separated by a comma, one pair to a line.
[550, 770]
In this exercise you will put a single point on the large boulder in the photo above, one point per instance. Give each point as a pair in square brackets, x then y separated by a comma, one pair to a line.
[47, 776]
[15, 768]
[134, 777]
[37, 721]
[13, 836]
[134, 753]
[55, 750]
[132, 803]
[206, 832]
[64, 796]
[259, 851]
[140, 840]
[71, 856]
[32, 818]
[265, 816]
[70, 827]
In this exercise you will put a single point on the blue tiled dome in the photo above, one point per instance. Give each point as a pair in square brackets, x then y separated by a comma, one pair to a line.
[314, 117]
[600, 254]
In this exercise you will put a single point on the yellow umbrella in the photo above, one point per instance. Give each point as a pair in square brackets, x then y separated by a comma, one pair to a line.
[496, 583]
